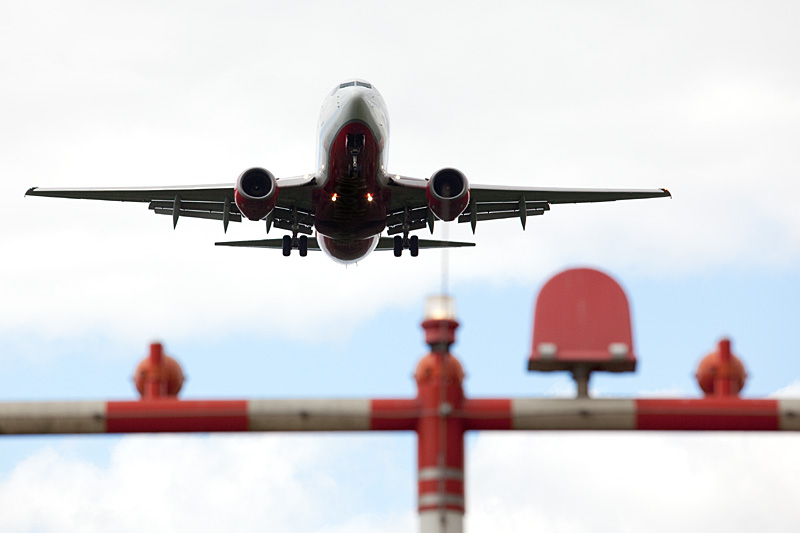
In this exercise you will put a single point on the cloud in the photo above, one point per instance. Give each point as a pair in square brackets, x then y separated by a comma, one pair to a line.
[711, 115]
[623, 482]
[545, 481]
[175, 483]
[789, 391]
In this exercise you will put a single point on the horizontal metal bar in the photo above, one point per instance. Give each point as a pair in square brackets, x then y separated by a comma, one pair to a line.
[39, 418]
[171, 415]
[309, 415]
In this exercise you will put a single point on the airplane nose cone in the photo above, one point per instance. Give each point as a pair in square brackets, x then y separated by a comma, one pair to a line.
[359, 107]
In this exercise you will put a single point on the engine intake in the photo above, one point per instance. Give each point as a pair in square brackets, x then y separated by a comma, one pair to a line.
[448, 194]
[256, 193]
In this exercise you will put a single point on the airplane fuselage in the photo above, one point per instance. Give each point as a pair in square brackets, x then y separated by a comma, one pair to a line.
[351, 198]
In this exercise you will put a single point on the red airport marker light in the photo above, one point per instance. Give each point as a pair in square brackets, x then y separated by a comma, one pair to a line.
[720, 373]
[158, 375]
[440, 414]
[582, 325]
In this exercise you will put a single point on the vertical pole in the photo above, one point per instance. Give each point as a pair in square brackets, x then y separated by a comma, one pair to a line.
[581, 376]
[722, 382]
[155, 386]
[440, 444]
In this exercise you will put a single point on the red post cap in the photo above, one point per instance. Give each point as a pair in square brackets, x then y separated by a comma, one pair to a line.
[438, 368]
[721, 373]
[158, 375]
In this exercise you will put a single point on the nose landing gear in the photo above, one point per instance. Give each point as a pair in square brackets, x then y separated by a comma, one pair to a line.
[354, 143]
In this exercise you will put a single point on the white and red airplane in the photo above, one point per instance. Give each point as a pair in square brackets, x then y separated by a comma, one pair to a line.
[351, 199]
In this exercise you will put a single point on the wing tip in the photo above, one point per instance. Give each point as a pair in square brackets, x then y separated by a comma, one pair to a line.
[667, 193]
[30, 191]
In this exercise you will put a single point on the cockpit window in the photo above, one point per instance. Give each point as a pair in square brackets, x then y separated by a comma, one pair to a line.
[348, 84]
[362, 84]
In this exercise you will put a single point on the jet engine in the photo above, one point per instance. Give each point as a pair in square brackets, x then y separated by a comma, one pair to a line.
[448, 194]
[256, 193]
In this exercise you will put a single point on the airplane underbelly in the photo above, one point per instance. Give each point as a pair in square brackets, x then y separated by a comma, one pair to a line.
[352, 205]
[347, 250]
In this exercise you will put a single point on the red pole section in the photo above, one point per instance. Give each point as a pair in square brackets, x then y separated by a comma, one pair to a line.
[440, 444]
[394, 415]
[155, 386]
[713, 413]
[722, 385]
[487, 414]
[176, 416]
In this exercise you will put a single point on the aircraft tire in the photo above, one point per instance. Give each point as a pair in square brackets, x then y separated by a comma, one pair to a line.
[302, 245]
[398, 246]
[287, 245]
[413, 245]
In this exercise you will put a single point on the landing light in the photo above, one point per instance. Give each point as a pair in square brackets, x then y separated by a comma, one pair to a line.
[369, 197]
[334, 197]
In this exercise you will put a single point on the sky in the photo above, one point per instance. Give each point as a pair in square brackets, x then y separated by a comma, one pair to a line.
[702, 98]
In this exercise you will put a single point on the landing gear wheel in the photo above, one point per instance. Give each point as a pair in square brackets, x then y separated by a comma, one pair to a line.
[413, 245]
[302, 245]
[398, 246]
[287, 245]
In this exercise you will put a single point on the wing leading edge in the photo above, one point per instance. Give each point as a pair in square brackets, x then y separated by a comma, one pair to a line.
[409, 203]
[294, 209]
[204, 201]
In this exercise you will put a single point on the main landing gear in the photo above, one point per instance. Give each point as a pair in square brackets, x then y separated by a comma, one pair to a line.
[410, 243]
[300, 243]
[294, 242]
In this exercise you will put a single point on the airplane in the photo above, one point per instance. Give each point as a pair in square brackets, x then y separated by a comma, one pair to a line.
[344, 207]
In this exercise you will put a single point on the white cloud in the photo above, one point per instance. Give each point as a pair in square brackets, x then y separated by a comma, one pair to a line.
[170, 483]
[544, 481]
[620, 482]
[789, 391]
[562, 97]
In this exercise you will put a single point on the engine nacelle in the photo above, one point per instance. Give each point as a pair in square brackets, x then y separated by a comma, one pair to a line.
[448, 194]
[256, 193]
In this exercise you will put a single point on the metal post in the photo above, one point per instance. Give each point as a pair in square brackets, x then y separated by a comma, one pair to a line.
[155, 386]
[440, 426]
[722, 381]
[440, 444]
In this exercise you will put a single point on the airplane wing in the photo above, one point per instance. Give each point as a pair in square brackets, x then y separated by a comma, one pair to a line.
[385, 243]
[496, 202]
[204, 201]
